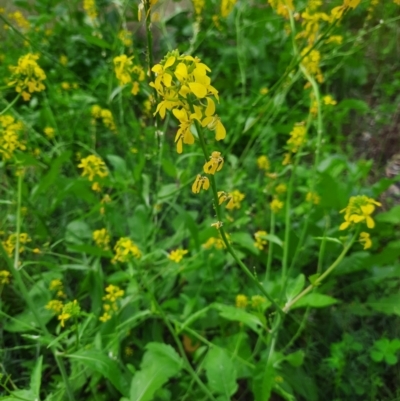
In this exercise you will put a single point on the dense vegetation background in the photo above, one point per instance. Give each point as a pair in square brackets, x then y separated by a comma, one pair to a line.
[199, 200]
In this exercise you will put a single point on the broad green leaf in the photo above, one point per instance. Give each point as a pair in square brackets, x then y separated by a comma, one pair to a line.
[36, 377]
[118, 163]
[388, 305]
[295, 286]
[392, 216]
[313, 278]
[99, 362]
[244, 240]
[167, 191]
[95, 40]
[160, 363]
[78, 232]
[315, 301]
[273, 238]
[221, 373]
[239, 315]
[296, 358]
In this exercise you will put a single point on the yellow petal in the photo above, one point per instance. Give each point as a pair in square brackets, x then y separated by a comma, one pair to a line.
[207, 121]
[206, 183]
[210, 109]
[169, 62]
[181, 72]
[157, 68]
[198, 89]
[344, 225]
[370, 222]
[368, 209]
[180, 114]
[220, 131]
[167, 80]
[188, 137]
[196, 186]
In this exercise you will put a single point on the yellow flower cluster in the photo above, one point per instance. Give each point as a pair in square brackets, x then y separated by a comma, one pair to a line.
[4, 277]
[177, 255]
[241, 301]
[90, 7]
[125, 37]
[19, 19]
[102, 238]
[124, 249]
[57, 286]
[365, 240]
[260, 242]
[280, 189]
[198, 6]
[95, 168]
[313, 197]
[276, 205]
[227, 7]
[71, 309]
[9, 136]
[10, 243]
[263, 163]
[55, 305]
[297, 137]
[110, 305]
[185, 88]
[105, 115]
[27, 76]
[282, 7]
[214, 242]
[311, 62]
[233, 199]
[359, 210]
[126, 72]
[49, 132]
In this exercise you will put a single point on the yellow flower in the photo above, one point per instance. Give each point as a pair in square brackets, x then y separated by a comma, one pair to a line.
[260, 241]
[125, 37]
[10, 244]
[227, 7]
[281, 189]
[125, 249]
[198, 6]
[102, 238]
[55, 306]
[90, 7]
[215, 164]
[177, 255]
[55, 285]
[276, 205]
[4, 277]
[27, 76]
[122, 67]
[241, 301]
[49, 132]
[282, 7]
[263, 163]
[329, 100]
[71, 309]
[19, 19]
[257, 301]
[264, 91]
[217, 243]
[183, 135]
[93, 166]
[297, 137]
[234, 198]
[311, 62]
[108, 119]
[365, 240]
[9, 136]
[335, 39]
[359, 209]
[313, 197]
[287, 159]
[63, 60]
[113, 293]
[201, 182]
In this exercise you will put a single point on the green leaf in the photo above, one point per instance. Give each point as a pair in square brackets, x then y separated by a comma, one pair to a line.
[296, 358]
[313, 278]
[244, 240]
[118, 163]
[239, 315]
[90, 250]
[273, 238]
[36, 377]
[78, 232]
[329, 239]
[295, 286]
[221, 373]
[98, 362]
[94, 40]
[160, 362]
[388, 305]
[168, 190]
[315, 301]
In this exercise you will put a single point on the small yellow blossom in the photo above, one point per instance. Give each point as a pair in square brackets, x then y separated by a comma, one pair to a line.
[10, 244]
[214, 242]
[201, 182]
[276, 205]
[113, 293]
[260, 241]
[9, 136]
[93, 166]
[215, 164]
[49, 132]
[19, 19]
[63, 60]
[227, 7]
[257, 301]
[4, 277]
[90, 7]
[233, 199]
[359, 210]
[108, 119]
[55, 285]
[125, 37]
[102, 238]
[71, 309]
[55, 306]
[311, 62]
[282, 7]
[365, 240]
[177, 255]
[335, 39]
[241, 301]
[281, 189]
[297, 137]
[329, 100]
[287, 159]
[263, 163]
[313, 197]
[124, 249]
[264, 91]
[27, 76]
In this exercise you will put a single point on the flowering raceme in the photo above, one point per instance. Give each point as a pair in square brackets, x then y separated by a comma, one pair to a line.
[297, 137]
[27, 76]
[124, 250]
[9, 136]
[126, 72]
[359, 210]
[93, 166]
[185, 89]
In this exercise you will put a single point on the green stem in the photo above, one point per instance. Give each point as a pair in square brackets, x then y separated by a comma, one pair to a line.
[319, 280]
[11, 104]
[270, 247]
[25, 294]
